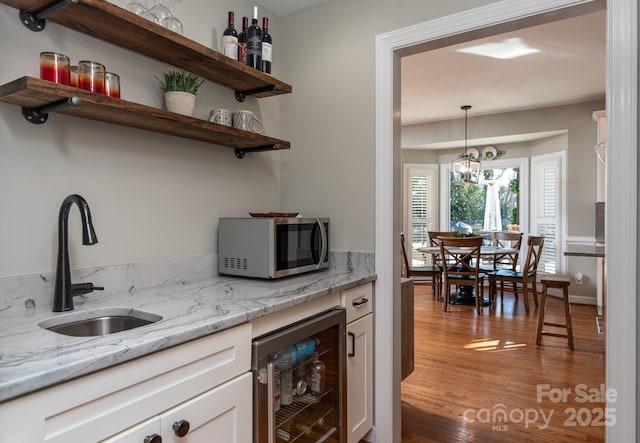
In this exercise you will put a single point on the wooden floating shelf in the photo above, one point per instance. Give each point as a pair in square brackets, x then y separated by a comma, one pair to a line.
[32, 93]
[120, 27]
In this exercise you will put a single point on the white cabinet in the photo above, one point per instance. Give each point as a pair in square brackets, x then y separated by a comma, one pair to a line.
[205, 382]
[221, 412]
[358, 302]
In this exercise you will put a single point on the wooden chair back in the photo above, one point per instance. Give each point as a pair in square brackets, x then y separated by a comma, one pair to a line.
[406, 272]
[460, 256]
[433, 236]
[534, 253]
[460, 265]
[507, 239]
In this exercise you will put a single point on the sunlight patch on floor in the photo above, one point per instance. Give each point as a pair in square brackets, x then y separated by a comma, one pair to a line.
[492, 345]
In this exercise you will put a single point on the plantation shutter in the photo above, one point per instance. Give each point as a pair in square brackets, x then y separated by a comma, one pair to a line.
[547, 210]
[421, 213]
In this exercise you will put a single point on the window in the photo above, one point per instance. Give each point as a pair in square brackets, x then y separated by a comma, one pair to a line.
[421, 207]
[491, 205]
[548, 203]
[500, 200]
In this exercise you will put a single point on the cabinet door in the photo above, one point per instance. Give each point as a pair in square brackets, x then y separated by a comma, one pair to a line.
[359, 378]
[222, 414]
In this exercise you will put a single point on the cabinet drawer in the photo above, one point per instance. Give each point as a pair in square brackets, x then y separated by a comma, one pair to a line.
[358, 301]
[100, 405]
[220, 415]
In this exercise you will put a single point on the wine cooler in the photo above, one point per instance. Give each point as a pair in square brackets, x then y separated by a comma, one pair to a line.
[300, 382]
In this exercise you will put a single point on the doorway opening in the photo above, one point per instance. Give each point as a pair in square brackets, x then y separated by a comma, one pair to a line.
[621, 231]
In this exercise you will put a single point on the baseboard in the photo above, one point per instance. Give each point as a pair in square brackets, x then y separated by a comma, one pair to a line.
[576, 299]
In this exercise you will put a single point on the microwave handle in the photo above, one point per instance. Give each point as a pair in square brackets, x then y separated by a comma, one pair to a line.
[323, 236]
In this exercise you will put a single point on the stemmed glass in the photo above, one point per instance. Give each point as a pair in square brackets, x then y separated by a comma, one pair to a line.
[140, 8]
[171, 22]
[160, 11]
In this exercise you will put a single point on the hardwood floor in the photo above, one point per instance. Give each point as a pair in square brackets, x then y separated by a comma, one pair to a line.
[481, 378]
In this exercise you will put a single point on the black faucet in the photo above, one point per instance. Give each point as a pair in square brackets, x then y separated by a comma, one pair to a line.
[64, 290]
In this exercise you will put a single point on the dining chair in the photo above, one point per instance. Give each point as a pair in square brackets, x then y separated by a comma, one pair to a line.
[507, 239]
[460, 266]
[433, 241]
[526, 275]
[421, 273]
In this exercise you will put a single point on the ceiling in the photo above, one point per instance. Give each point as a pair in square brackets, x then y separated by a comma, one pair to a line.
[285, 7]
[570, 68]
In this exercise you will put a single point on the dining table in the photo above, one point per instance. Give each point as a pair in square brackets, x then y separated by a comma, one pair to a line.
[465, 295]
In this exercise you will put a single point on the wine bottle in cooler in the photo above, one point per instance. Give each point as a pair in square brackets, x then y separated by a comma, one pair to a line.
[254, 42]
[230, 39]
[242, 41]
[267, 47]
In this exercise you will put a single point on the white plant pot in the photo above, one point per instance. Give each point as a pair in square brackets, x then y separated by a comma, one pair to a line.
[180, 102]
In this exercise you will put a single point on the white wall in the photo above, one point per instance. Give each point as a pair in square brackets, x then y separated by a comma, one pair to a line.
[329, 118]
[152, 196]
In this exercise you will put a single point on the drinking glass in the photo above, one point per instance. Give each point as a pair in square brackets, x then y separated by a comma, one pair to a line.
[111, 84]
[136, 7]
[160, 11]
[172, 21]
[91, 76]
[73, 77]
[54, 67]
[139, 7]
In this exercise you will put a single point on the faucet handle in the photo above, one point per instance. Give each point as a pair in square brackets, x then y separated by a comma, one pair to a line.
[84, 288]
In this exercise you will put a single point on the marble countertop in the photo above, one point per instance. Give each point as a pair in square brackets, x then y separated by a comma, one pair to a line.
[32, 358]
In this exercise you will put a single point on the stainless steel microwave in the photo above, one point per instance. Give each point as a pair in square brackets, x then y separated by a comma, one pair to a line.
[271, 247]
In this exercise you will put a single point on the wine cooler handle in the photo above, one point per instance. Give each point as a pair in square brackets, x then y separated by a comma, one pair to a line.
[271, 429]
[325, 242]
[353, 344]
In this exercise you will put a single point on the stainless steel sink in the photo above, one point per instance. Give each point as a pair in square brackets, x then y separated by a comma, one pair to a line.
[101, 321]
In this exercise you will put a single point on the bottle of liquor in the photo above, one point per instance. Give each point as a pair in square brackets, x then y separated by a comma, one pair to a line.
[266, 46]
[242, 41]
[317, 376]
[254, 42]
[230, 39]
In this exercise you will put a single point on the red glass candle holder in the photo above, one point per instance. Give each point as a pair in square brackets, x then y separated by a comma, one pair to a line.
[54, 67]
[112, 84]
[91, 76]
[73, 77]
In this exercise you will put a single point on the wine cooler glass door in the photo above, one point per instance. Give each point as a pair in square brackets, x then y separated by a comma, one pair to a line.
[299, 388]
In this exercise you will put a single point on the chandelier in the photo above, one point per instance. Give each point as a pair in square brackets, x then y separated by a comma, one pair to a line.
[466, 169]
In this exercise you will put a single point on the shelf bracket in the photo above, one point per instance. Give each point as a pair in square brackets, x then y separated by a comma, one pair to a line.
[240, 153]
[241, 95]
[39, 115]
[35, 21]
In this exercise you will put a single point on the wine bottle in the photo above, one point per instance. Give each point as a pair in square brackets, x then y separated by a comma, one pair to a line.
[254, 42]
[242, 41]
[230, 39]
[266, 46]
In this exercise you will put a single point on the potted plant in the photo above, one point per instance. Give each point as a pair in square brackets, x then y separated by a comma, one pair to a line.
[180, 89]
